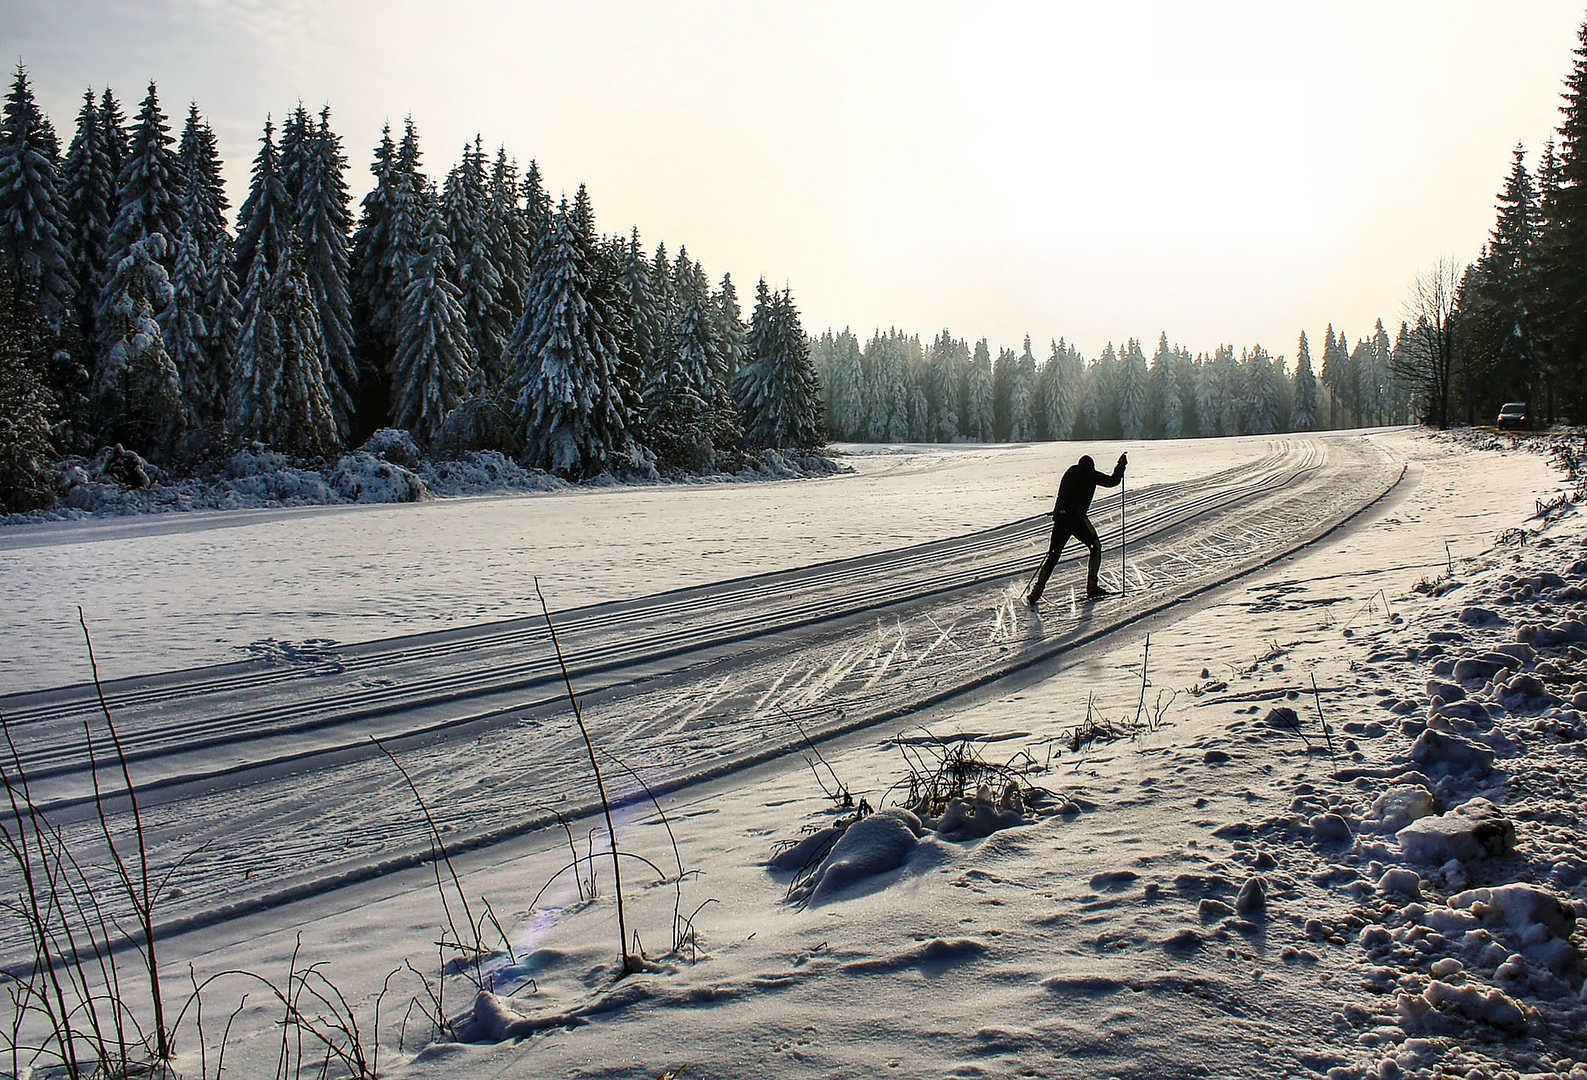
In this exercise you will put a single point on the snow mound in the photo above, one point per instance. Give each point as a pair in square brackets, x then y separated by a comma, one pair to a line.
[364, 478]
[869, 847]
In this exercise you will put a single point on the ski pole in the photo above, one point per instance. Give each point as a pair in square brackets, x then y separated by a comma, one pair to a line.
[1123, 581]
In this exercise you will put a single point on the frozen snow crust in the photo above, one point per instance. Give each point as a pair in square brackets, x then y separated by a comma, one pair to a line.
[388, 468]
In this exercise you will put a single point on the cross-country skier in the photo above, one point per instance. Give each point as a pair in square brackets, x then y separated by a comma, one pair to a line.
[1075, 490]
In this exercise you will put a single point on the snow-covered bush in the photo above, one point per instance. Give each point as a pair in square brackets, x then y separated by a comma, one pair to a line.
[363, 477]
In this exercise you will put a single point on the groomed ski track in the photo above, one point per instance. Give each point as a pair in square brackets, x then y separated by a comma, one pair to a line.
[264, 777]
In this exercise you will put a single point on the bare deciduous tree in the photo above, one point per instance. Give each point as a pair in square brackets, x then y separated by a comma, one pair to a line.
[1429, 365]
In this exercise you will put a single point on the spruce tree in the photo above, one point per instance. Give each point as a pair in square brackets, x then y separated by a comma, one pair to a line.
[202, 332]
[89, 182]
[1132, 391]
[137, 389]
[148, 187]
[384, 247]
[1303, 408]
[1262, 394]
[682, 393]
[465, 209]
[573, 416]
[118, 140]
[316, 188]
[264, 223]
[731, 329]
[1334, 377]
[778, 394]
[435, 352]
[32, 217]
[980, 395]
[1564, 242]
[1165, 411]
[25, 451]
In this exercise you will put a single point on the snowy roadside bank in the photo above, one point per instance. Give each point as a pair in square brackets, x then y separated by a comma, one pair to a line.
[389, 468]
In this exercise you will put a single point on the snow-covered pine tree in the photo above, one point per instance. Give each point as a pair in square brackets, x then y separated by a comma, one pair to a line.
[979, 395]
[202, 331]
[573, 416]
[731, 329]
[778, 394]
[264, 222]
[466, 214]
[387, 240]
[1303, 409]
[90, 189]
[317, 188]
[25, 475]
[118, 139]
[1262, 393]
[1132, 391]
[279, 394]
[1382, 392]
[511, 245]
[681, 393]
[1003, 376]
[148, 187]
[945, 363]
[1022, 397]
[537, 210]
[1165, 411]
[842, 387]
[435, 352]
[304, 421]
[32, 207]
[1336, 377]
[137, 389]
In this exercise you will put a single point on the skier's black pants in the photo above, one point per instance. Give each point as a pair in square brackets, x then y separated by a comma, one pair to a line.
[1067, 523]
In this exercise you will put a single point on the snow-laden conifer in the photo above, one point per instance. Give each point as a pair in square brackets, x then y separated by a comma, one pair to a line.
[32, 210]
[148, 187]
[466, 217]
[89, 183]
[573, 418]
[202, 330]
[1303, 407]
[1132, 392]
[979, 395]
[731, 329]
[317, 187]
[435, 354]
[1262, 392]
[137, 389]
[25, 452]
[390, 221]
[264, 223]
[778, 395]
[1022, 397]
[1165, 414]
[118, 138]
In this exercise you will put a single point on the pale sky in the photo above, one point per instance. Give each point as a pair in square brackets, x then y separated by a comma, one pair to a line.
[1237, 170]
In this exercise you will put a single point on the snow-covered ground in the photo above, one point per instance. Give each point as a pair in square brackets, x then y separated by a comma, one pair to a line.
[1114, 928]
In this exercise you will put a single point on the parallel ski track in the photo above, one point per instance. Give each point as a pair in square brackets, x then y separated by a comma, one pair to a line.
[824, 592]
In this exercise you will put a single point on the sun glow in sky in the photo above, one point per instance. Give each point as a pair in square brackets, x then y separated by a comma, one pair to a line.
[1238, 170]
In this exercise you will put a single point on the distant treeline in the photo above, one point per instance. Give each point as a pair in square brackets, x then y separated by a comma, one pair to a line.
[895, 389]
[475, 313]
